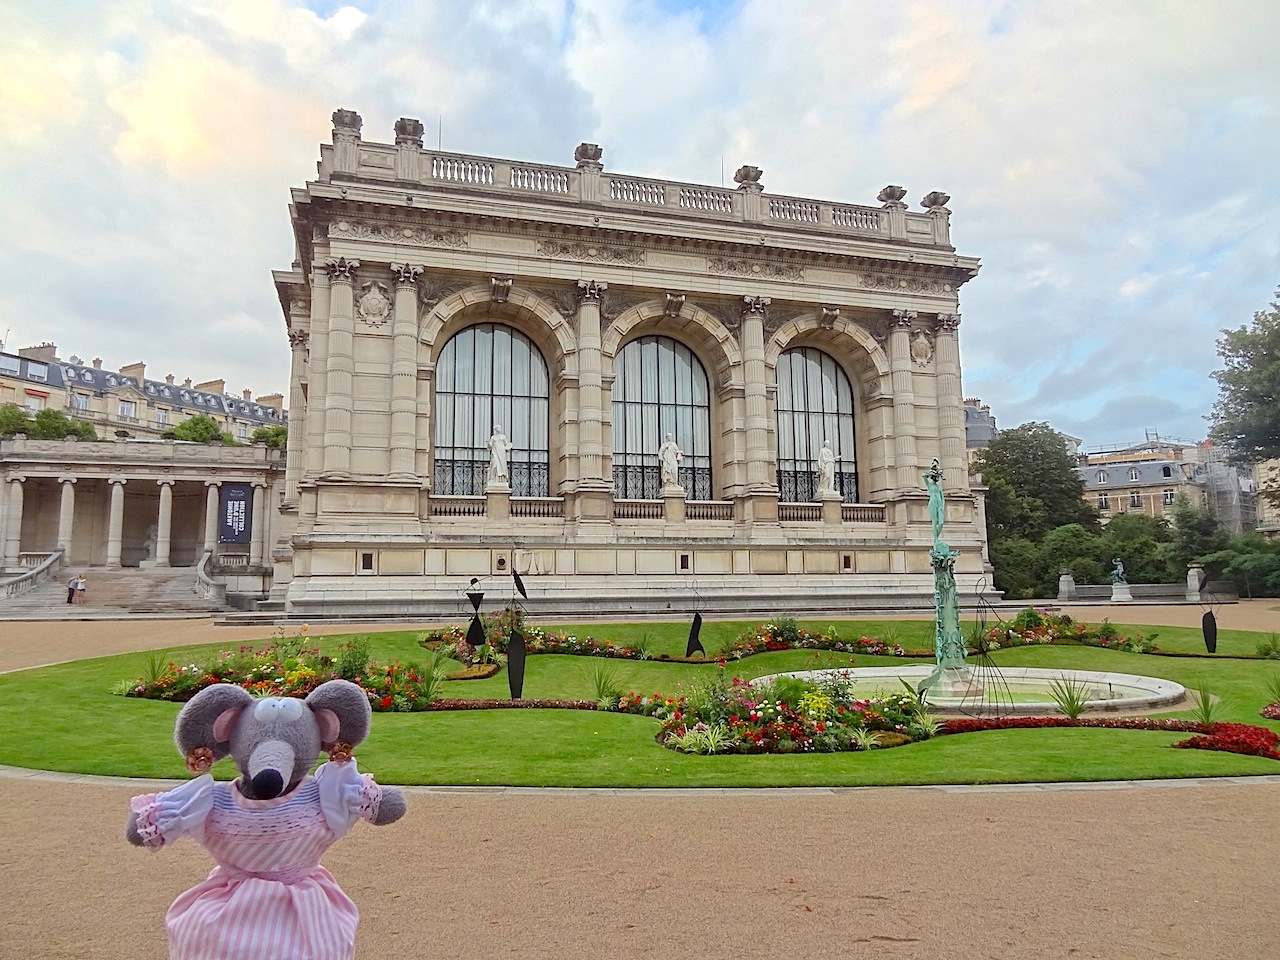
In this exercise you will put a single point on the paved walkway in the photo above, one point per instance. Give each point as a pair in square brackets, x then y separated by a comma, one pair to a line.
[1157, 870]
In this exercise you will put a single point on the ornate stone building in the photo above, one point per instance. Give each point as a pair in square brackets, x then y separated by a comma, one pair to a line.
[441, 306]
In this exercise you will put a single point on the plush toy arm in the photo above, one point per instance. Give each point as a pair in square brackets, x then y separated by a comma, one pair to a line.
[390, 808]
[157, 819]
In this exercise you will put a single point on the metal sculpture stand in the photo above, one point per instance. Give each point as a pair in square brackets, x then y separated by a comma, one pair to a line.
[953, 677]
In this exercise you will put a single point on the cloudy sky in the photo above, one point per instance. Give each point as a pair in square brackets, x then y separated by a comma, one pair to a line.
[1109, 162]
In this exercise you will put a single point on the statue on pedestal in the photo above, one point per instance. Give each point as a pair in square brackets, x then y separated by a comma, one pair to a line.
[826, 470]
[1117, 571]
[499, 448]
[669, 457]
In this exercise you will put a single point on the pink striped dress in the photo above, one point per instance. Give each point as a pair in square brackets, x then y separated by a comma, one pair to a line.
[268, 898]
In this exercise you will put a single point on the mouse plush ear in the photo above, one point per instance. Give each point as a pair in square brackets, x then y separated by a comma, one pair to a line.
[342, 712]
[207, 720]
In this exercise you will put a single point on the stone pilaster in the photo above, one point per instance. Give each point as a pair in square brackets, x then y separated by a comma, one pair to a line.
[895, 211]
[346, 141]
[340, 369]
[408, 148]
[13, 522]
[404, 372]
[164, 523]
[294, 445]
[595, 496]
[939, 216]
[317, 371]
[115, 522]
[257, 525]
[66, 515]
[904, 403]
[211, 515]
[946, 358]
[762, 470]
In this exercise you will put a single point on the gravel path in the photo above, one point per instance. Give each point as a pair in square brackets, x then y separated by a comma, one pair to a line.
[1167, 871]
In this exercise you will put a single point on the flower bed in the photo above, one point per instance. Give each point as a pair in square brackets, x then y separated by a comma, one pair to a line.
[1237, 738]
[786, 634]
[284, 669]
[788, 715]
[1033, 627]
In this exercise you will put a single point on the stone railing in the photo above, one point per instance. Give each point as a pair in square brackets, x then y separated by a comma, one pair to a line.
[551, 507]
[206, 586]
[862, 513]
[457, 506]
[708, 510]
[139, 452]
[590, 184]
[40, 567]
[800, 512]
[638, 510]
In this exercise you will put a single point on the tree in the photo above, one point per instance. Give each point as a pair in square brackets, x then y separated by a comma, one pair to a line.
[1145, 544]
[47, 424]
[1246, 415]
[1252, 562]
[1079, 550]
[276, 436]
[1196, 533]
[1037, 486]
[202, 428]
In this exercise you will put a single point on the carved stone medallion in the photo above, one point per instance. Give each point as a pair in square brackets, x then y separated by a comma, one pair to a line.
[921, 348]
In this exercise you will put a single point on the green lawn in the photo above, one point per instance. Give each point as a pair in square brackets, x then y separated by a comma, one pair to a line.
[64, 718]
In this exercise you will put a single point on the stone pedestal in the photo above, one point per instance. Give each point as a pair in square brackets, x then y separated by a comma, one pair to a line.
[1067, 587]
[594, 501]
[1120, 593]
[497, 502]
[673, 504]
[957, 683]
[832, 515]
[1195, 577]
[759, 508]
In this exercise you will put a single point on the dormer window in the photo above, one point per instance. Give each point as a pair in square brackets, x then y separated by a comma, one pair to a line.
[1102, 476]
[37, 371]
[1134, 475]
[1166, 471]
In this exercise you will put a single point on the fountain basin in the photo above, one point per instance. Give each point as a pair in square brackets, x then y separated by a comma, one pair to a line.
[1011, 691]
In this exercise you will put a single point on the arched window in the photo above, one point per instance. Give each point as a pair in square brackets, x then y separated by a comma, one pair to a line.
[491, 375]
[660, 388]
[1134, 474]
[814, 403]
[1102, 476]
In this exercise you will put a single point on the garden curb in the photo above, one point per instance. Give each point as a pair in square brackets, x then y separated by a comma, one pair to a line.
[24, 773]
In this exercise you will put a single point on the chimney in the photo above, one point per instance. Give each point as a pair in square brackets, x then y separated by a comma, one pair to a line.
[97, 363]
[187, 383]
[247, 394]
[137, 370]
[273, 400]
[44, 352]
[213, 386]
[168, 378]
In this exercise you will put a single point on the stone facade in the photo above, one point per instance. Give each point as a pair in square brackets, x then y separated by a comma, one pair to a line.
[412, 264]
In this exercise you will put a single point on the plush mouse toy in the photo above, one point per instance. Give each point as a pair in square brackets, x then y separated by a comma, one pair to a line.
[268, 898]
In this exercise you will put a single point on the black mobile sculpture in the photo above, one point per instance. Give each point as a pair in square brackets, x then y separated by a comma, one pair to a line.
[515, 643]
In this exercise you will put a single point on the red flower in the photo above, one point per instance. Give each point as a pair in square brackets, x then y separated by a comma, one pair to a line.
[386, 702]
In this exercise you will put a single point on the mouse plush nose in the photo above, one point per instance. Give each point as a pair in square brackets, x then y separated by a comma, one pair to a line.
[267, 785]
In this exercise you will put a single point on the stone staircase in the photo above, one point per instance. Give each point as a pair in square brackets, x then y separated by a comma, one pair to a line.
[114, 593]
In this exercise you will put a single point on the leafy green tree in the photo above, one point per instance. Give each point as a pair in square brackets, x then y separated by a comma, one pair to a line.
[52, 424]
[1252, 562]
[202, 428]
[13, 420]
[1246, 415]
[1196, 533]
[275, 436]
[1145, 544]
[1079, 550]
[47, 424]
[1044, 490]
[1018, 567]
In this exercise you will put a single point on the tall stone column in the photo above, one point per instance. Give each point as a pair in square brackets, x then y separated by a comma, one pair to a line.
[317, 371]
[761, 469]
[294, 445]
[211, 514]
[115, 522]
[66, 515]
[404, 372]
[595, 495]
[340, 368]
[257, 525]
[946, 353]
[164, 523]
[13, 522]
[904, 402]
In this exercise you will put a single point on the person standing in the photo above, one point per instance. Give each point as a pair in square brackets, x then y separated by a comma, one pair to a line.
[80, 585]
[71, 587]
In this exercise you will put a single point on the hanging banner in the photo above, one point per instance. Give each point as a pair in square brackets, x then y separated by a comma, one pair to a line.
[236, 515]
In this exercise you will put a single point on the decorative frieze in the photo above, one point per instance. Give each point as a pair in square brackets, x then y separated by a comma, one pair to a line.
[595, 253]
[432, 289]
[401, 234]
[897, 283]
[757, 269]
